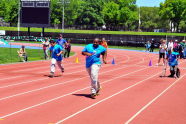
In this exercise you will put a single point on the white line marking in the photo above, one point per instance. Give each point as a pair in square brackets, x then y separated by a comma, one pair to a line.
[12, 77]
[103, 100]
[64, 95]
[23, 93]
[148, 104]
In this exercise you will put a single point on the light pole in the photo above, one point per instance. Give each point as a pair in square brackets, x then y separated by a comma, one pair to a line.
[63, 2]
[139, 25]
[18, 21]
[63, 21]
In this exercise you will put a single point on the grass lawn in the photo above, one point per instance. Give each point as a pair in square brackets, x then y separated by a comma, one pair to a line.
[9, 55]
[92, 31]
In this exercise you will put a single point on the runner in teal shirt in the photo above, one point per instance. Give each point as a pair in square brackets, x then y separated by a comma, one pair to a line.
[56, 55]
[93, 64]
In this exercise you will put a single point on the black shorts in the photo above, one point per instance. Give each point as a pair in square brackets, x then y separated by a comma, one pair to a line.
[161, 55]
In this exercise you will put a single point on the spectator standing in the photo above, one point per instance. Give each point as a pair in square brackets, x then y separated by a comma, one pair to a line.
[162, 51]
[170, 46]
[103, 42]
[67, 49]
[45, 48]
[61, 41]
[148, 45]
[152, 46]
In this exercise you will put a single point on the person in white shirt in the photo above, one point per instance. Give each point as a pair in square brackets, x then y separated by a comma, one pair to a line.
[162, 51]
[170, 46]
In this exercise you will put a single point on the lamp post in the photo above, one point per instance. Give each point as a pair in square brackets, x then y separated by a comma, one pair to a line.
[18, 21]
[139, 23]
[63, 21]
[63, 2]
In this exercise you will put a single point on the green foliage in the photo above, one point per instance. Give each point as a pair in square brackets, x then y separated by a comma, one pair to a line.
[173, 10]
[115, 14]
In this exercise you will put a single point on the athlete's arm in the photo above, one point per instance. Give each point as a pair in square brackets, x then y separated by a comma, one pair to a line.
[86, 53]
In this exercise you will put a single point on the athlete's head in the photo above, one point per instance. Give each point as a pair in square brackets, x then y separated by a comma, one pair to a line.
[96, 43]
[52, 43]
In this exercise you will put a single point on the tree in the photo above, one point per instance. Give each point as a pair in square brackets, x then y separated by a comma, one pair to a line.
[174, 11]
[120, 13]
[89, 14]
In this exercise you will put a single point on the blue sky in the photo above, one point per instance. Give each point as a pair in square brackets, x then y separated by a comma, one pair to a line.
[149, 3]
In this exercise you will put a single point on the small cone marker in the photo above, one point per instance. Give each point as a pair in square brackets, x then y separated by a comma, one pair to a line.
[113, 61]
[77, 60]
[150, 63]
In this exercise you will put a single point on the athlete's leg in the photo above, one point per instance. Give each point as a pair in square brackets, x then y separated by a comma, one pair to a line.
[60, 66]
[52, 67]
[94, 77]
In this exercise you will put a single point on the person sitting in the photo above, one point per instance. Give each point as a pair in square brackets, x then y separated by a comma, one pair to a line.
[22, 54]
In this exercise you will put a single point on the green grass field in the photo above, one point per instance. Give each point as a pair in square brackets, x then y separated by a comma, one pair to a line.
[9, 55]
[92, 31]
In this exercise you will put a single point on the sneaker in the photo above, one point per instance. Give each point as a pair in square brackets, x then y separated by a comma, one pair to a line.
[51, 75]
[99, 88]
[97, 93]
[93, 95]
[171, 76]
[63, 70]
[178, 73]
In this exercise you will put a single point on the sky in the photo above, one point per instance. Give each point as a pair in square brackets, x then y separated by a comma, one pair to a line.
[149, 3]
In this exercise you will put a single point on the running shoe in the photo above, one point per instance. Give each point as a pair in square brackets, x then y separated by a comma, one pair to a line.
[93, 95]
[51, 75]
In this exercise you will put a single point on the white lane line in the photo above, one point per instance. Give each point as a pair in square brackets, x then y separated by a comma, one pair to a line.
[148, 104]
[25, 82]
[42, 78]
[51, 100]
[12, 77]
[46, 87]
[104, 100]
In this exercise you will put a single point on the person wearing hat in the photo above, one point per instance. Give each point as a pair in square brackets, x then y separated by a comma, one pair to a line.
[93, 64]
[56, 55]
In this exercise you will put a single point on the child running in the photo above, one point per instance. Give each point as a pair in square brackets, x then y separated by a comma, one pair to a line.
[56, 55]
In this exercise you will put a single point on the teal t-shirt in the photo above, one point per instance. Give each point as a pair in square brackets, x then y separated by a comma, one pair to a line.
[55, 50]
[95, 57]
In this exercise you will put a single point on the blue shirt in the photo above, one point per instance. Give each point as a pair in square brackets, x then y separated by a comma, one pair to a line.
[172, 58]
[55, 50]
[95, 57]
[61, 42]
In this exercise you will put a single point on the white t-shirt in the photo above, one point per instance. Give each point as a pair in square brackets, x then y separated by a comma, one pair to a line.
[170, 45]
[163, 48]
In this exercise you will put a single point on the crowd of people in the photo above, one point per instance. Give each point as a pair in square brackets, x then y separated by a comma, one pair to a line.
[170, 52]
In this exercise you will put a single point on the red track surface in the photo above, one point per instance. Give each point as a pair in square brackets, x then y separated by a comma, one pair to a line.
[132, 92]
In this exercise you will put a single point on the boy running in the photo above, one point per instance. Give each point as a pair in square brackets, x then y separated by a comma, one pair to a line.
[55, 53]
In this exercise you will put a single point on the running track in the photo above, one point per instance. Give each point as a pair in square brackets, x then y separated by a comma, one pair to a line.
[133, 92]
